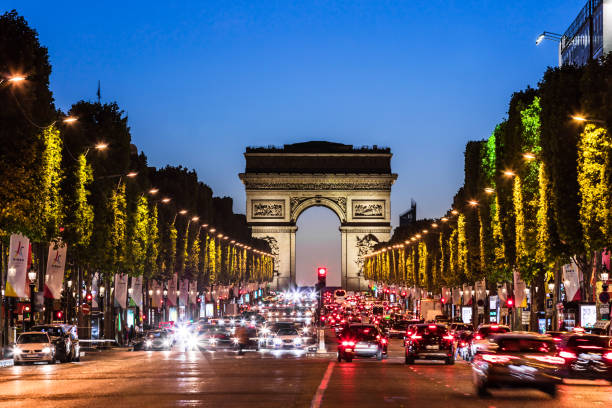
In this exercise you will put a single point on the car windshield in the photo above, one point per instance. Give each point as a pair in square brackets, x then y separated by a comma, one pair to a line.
[401, 325]
[287, 332]
[526, 345]
[362, 333]
[33, 338]
[588, 341]
[157, 334]
[485, 331]
[52, 331]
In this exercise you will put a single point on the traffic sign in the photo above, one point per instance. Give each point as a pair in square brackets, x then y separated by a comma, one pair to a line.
[85, 308]
[604, 297]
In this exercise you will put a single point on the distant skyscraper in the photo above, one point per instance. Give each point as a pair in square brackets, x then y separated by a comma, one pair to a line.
[409, 217]
[589, 36]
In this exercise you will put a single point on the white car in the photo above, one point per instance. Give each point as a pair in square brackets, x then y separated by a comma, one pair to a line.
[34, 347]
[287, 338]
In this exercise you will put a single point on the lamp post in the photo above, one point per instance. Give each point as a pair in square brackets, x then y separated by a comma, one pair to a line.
[166, 311]
[32, 277]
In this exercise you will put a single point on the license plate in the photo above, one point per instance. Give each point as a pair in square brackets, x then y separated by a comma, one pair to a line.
[435, 347]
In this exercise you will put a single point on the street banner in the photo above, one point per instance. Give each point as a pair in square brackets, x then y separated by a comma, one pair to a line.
[137, 291]
[456, 296]
[121, 285]
[467, 294]
[94, 290]
[481, 290]
[172, 290]
[184, 292]
[54, 278]
[193, 292]
[502, 292]
[519, 289]
[605, 260]
[17, 266]
[156, 295]
[571, 281]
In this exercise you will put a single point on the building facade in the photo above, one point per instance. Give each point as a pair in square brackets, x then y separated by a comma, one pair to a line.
[589, 36]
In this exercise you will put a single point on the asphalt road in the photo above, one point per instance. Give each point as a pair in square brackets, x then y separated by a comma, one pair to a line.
[166, 379]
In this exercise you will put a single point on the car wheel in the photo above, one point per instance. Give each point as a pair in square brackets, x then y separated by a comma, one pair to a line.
[481, 390]
[550, 390]
[339, 358]
[409, 360]
[348, 359]
[450, 361]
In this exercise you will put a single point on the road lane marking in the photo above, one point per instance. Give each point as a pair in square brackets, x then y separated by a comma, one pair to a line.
[318, 397]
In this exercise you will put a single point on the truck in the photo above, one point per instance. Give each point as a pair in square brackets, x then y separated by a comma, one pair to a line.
[430, 308]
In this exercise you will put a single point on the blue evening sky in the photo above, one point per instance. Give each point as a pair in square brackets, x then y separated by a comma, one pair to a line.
[201, 80]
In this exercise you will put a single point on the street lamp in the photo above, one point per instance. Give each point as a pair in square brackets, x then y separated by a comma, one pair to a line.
[489, 190]
[547, 35]
[32, 277]
[579, 118]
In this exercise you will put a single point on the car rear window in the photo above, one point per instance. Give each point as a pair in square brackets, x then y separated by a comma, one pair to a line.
[52, 331]
[588, 341]
[432, 329]
[485, 331]
[365, 333]
[526, 345]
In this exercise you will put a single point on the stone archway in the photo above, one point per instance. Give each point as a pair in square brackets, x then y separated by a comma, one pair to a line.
[354, 183]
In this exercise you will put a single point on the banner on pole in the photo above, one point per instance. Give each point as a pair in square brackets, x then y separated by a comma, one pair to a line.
[156, 294]
[193, 292]
[137, 291]
[571, 281]
[519, 289]
[17, 266]
[94, 290]
[456, 296]
[184, 292]
[172, 290]
[54, 278]
[121, 284]
[481, 290]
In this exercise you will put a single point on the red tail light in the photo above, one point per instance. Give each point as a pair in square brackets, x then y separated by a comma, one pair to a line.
[449, 337]
[548, 359]
[478, 337]
[432, 326]
[608, 355]
[557, 339]
[416, 337]
[567, 354]
[348, 343]
[495, 326]
[497, 358]
[383, 341]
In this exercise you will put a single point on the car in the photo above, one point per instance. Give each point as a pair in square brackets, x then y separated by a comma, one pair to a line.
[65, 338]
[34, 347]
[586, 356]
[482, 335]
[429, 342]
[215, 337]
[157, 340]
[287, 338]
[517, 360]
[362, 340]
[398, 328]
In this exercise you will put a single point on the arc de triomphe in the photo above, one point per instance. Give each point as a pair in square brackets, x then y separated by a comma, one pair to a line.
[354, 183]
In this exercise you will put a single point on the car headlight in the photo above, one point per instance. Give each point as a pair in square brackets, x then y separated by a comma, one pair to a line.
[16, 351]
[297, 340]
[46, 350]
[212, 341]
[235, 340]
[167, 343]
[278, 341]
[148, 343]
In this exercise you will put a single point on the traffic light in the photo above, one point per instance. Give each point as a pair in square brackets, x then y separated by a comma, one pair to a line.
[88, 297]
[321, 277]
[443, 301]
[510, 302]
[58, 315]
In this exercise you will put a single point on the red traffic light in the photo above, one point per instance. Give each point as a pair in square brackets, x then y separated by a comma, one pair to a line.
[443, 300]
[59, 314]
[510, 302]
[89, 297]
[322, 272]
[26, 308]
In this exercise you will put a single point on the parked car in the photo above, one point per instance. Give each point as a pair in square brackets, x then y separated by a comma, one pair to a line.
[586, 356]
[34, 347]
[517, 360]
[65, 338]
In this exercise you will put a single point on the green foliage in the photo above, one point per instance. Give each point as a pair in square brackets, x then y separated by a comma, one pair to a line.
[594, 164]
[138, 237]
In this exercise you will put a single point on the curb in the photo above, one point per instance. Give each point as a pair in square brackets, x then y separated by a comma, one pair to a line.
[7, 363]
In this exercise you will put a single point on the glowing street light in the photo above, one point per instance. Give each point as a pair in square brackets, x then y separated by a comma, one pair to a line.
[183, 212]
[154, 191]
[166, 200]
[489, 190]
[212, 230]
[579, 118]
[132, 174]
[547, 35]
[70, 119]
[473, 203]
[529, 156]
[101, 146]
[454, 212]
[434, 225]
[509, 173]
[196, 218]
[444, 219]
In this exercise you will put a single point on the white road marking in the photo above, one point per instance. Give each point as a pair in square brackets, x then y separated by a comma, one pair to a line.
[318, 397]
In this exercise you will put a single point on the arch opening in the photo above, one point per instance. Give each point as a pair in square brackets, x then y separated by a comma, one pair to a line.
[318, 243]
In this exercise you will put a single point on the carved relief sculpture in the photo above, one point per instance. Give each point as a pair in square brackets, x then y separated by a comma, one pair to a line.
[369, 209]
[364, 246]
[268, 208]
